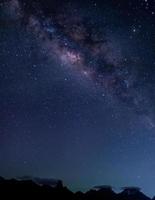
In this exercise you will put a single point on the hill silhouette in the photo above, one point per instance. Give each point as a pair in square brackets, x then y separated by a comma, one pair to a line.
[26, 188]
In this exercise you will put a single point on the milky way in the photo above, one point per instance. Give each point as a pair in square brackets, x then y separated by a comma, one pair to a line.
[85, 48]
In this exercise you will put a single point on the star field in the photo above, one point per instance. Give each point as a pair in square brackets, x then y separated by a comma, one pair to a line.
[77, 91]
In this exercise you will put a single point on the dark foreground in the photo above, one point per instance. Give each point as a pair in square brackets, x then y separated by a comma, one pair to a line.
[28, 189]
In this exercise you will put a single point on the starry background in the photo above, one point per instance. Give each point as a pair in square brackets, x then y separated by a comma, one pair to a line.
[77, 91]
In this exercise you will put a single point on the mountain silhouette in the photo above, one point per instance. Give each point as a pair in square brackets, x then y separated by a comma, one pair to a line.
[44, 189]
[132, 193]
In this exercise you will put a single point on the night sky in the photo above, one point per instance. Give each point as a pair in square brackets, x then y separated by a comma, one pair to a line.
[77, 99]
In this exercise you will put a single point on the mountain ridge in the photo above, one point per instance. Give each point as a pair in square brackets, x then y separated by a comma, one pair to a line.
[43, 189]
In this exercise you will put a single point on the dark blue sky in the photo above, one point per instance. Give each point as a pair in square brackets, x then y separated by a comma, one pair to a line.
[77, 92]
